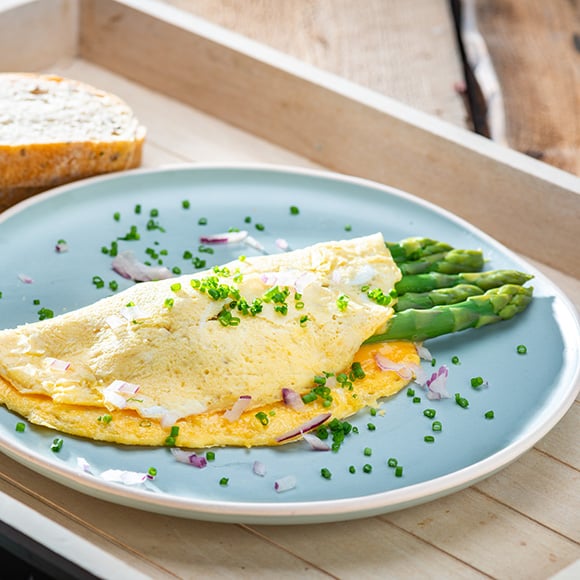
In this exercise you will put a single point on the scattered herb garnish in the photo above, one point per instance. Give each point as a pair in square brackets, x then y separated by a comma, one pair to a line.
[56, 444]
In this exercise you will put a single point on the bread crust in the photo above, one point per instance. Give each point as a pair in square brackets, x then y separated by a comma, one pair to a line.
[43, 163]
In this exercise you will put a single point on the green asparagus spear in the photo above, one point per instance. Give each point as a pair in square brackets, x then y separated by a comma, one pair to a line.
[484, 280]
[494, 305]
[416, 249]
[451, 262]
[437, 297]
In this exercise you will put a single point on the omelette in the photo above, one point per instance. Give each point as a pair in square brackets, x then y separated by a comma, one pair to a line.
[254, 352]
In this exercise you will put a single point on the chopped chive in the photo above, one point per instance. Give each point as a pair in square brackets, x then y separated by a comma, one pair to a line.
[433, 361]
[325, 473]
[373, 412]
[368, 451]
[175, 287]
[347, 228]
[262, 417]
[224, 481]
[476, 382]
[461, 401]
[169, 302]
[116, 216]
[342, 302]
[113, 285]
[248, 219]
[429, 413]
[260, 227]
[455, 360]
[20, 427]
[106, 419]
[410, 392]
[210, 455]
[154, 213]
[399, 471]
[202, 221]
[367, 467]
[176, 270]
[185, 204]
[429, 439]
[98, 282]
[152, 471]
[45, 313]
[522, 349]
[36, 302]
[436, 426]
[371, 426]
[489, 415]
[392, 462]
[174, 431]
[56, 444]
[187, 255]
[138, 208]
[358, 372]
[416, 400]
[294, 210]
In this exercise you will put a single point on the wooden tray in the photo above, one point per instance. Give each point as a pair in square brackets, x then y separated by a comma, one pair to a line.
[209, 95]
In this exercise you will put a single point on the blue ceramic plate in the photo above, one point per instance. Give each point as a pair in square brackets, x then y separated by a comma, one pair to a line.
[528, 393]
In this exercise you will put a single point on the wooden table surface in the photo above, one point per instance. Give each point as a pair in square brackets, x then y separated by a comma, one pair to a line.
[525, 53]
[519, 523]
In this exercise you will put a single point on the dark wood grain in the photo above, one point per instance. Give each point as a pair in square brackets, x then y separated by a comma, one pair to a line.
[534, 48]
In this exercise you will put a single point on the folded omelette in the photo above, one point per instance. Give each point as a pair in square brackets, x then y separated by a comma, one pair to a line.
[242, 354]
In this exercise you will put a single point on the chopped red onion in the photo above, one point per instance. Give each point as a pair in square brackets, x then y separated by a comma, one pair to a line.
[84, 465]
[305, 427]
[113, 394]
[57, 364]
[386, 364]
[115, 321]
[225, 238]
[259, 468]
[61, 247]
[132, 313]
[406, 371]
[189, 457]
[238, 408]
[253, 243]
[127, 265]
[25, 278]
[315, 442]
[285, 483]
[289, 278]
[282, 244]
[423, 351]
[292, 399]
[436, 385]
[123, 476]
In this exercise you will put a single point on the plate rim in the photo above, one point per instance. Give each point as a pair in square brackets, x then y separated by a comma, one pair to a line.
[317, 511]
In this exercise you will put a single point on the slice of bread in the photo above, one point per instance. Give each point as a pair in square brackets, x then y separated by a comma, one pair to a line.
[55, 130]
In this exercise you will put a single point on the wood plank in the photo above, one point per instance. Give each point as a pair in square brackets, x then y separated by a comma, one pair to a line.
[181, 134]
[535, 54]
[339, 125]
[543, 489]
[161, 545]
[36, 45]
[368, 548]
[405, 50]
[488, 536]
[562, 442]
